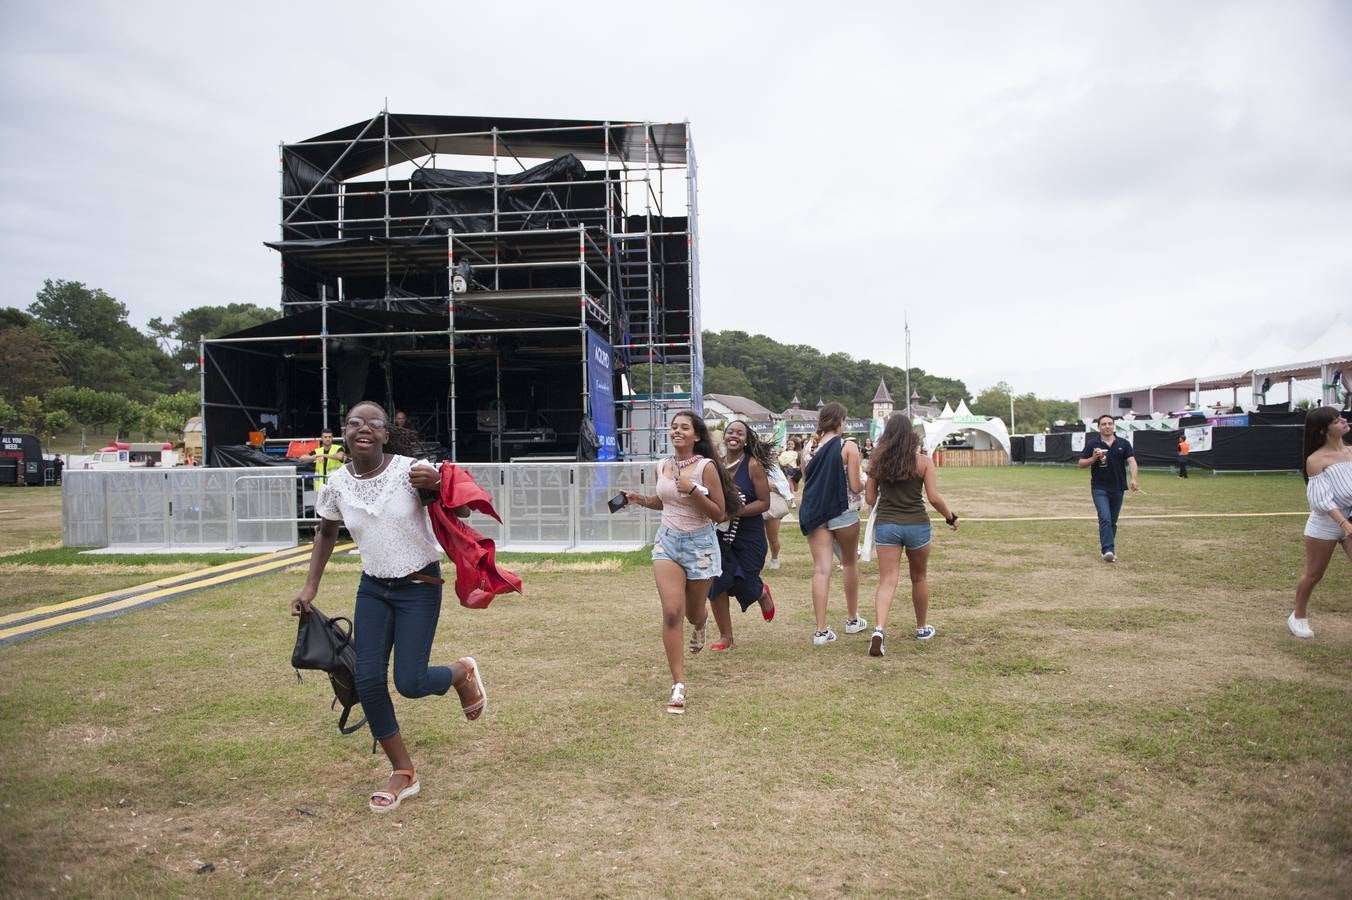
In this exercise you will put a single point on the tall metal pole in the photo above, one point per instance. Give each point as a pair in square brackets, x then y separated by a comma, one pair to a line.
[909, 413]
[324, 355]
[1011, 410]
[202, 391]
[450, 334]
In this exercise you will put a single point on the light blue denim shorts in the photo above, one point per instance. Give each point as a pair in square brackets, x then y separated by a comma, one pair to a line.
[695, 551]
[912, 537]
[844, 520]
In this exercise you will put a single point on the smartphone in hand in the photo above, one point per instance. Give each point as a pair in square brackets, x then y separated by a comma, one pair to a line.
[617, 503]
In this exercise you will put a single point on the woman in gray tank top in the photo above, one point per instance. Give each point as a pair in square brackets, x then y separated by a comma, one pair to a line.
[898, 474]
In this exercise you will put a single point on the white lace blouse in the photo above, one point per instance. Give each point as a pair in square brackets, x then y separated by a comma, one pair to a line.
[392, 529]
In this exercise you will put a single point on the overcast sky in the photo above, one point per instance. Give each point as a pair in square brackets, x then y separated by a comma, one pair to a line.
[1066, 196]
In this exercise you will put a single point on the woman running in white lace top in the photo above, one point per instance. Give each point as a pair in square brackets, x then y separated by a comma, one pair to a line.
[399, 596]
[1328, 476]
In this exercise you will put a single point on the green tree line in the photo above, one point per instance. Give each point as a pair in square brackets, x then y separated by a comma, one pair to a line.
[771, 373]
[72, 360]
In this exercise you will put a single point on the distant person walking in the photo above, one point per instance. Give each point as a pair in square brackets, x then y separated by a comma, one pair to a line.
[826, 516]
[1327, 469]
[742, 543]
[1108, 459]
[899, 478]
[1183, 456]
[790, 462]
[694, 492]
[781, 497]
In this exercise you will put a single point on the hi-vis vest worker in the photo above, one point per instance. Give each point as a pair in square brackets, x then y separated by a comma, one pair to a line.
[327, 457]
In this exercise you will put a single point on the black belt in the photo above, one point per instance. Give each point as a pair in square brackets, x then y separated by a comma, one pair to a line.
[405, 580]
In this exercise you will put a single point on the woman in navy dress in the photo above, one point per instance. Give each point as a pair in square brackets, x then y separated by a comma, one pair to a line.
[743, 544]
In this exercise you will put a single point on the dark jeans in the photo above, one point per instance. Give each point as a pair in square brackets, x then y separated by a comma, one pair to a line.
[1108, 504]
[402, 617]
[1182, 467]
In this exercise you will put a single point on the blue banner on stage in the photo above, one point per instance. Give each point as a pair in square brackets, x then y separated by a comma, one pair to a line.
[600, 387]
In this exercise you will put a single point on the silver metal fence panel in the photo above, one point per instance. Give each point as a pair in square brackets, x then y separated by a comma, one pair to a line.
[598, 528]
[138, 508]
[261, 495]
[199, 508]
[492, 477]
[83, 520]
[540, 505]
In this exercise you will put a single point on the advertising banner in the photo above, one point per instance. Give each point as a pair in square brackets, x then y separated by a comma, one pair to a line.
[1077, 441]
[1199, 438]
[601, 392]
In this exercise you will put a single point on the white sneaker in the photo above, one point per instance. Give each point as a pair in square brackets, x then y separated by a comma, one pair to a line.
[924, 634]
[875, 644]
[1299, 627]
[1110, 556]
[823, 637]
[854, 626]
[774, 564]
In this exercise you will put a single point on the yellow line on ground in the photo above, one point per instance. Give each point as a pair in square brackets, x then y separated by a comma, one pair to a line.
[153, 591]
[1261, 515]
[170, 581]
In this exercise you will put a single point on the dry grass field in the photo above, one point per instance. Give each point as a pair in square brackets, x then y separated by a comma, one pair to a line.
[1074, 729]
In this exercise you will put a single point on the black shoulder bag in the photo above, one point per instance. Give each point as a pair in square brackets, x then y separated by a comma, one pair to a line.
[323, 644]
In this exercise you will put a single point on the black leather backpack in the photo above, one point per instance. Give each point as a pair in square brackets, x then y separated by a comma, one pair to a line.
[323, 644]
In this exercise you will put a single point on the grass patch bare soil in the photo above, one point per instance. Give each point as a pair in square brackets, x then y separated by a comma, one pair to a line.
[1074, 729]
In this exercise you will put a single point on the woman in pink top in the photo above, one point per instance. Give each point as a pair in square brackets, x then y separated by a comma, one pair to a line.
[693, 495]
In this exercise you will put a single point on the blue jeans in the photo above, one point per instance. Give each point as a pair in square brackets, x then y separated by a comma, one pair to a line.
[1108, 504]
[402, 617]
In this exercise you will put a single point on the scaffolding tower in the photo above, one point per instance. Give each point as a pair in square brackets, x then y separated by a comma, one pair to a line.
[544, 230]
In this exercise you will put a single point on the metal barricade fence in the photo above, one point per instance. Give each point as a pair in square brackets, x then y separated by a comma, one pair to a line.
[545, 507]
[187, 508]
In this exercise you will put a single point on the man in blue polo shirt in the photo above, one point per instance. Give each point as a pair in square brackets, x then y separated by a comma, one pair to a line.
[1108, 458]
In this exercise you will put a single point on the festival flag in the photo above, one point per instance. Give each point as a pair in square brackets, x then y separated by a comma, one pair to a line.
[781, 435]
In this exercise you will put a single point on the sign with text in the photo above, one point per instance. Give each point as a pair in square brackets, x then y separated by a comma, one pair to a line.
[601, 392]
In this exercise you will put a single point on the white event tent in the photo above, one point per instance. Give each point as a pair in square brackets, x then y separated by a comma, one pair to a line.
[987, 432]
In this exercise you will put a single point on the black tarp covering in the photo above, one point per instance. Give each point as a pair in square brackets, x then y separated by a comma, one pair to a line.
[235, 456]
[1018, 447]
[1058, 450]
[1281, 417]
[536, 378]
[1252, 448]
[473, 210]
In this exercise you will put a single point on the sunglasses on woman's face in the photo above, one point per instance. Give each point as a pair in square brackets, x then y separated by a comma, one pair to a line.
[358, 421]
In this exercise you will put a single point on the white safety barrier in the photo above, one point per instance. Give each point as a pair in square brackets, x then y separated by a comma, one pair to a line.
[545, 507]
[185, 508]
